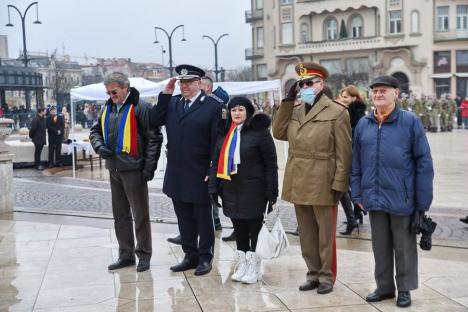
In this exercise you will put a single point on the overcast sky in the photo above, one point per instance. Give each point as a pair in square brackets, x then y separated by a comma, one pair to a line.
[125, 28]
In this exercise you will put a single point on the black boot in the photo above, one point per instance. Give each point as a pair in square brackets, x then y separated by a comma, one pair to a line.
[230, 238]
[351, 223]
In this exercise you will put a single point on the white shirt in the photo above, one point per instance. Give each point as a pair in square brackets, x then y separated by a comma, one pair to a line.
[193, 99]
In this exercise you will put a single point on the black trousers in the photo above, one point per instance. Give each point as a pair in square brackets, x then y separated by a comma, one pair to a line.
[247, 233]
[196, 228]
[54, 150]
[130, 197]
[37, 154]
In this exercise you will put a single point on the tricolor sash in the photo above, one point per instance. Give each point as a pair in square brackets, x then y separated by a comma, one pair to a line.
[127, 141]
[226, 165]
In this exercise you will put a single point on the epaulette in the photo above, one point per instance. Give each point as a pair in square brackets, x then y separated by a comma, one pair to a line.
[216, 98]
[341, 104]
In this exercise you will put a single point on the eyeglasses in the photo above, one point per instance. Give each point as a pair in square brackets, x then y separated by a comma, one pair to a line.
[113, 92]
[308, 83]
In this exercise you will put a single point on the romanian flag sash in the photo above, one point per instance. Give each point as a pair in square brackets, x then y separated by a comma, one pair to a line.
[226, 166]
[127, 141]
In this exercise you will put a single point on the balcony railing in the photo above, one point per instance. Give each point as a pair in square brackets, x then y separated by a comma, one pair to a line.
[451, 35]
[253, 53]
[343, 44]
[251, 16]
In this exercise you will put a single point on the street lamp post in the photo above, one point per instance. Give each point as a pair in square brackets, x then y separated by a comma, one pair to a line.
[169, 38]
[215, 43]
[25, 52]
[23, 19]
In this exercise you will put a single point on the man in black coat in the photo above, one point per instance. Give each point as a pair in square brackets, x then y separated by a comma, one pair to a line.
[37, 133]
[55, 128]
[191, 125]
[124, 136]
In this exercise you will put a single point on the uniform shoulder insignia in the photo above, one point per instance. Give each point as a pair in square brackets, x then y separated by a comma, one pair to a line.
[216, 98]
[341, 104]
[202, 98]
[223, 113]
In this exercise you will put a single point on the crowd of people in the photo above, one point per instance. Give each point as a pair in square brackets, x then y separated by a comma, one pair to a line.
[221, 149]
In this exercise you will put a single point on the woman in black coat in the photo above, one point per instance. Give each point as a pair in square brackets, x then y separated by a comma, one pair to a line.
[250, 184]
[351, 97]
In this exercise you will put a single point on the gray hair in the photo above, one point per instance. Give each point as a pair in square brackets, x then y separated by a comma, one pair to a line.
[117, 77]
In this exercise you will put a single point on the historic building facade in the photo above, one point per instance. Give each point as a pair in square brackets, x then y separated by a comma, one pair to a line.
[423, 43]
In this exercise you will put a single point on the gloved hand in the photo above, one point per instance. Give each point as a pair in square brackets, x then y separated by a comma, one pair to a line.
[292, 93]
[105, 152]
[337, 196]
[148, 175]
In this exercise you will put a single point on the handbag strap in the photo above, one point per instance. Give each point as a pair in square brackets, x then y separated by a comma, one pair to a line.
[265, 214]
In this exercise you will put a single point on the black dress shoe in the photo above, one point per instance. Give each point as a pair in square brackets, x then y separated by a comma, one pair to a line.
[230, 238]
[376, 297]
[324, 288]
[143, 265]
[218, 227]
[464, 220]
[185, 265]
[203, 268]
[121, 263]
[404, 299]
[175, 240]
[309, 285]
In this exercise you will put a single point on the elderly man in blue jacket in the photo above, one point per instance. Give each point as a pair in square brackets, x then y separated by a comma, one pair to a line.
[392, 176]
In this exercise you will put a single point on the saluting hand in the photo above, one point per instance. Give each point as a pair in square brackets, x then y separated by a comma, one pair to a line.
[292, 93]
[170, 86]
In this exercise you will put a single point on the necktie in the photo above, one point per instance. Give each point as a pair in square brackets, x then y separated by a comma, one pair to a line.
[186, 105]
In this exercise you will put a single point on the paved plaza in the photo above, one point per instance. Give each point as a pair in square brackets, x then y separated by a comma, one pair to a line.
[54, 252]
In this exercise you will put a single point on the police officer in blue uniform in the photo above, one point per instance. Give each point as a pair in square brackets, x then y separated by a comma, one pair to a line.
[191, 120]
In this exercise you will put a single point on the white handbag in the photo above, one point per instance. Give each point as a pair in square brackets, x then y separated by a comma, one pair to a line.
[272, 244]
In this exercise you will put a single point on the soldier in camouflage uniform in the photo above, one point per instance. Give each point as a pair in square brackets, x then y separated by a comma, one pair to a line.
[404, 103]
[452, 111]
[417, 107]
[444, 113]
[433, 106]
[424, 114]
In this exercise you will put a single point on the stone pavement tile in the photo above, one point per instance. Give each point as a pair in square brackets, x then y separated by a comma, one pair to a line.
[341, 296]
[81, 261]
[69, 232]
[221, 269]
[253, 301]
[13, 257]
[155, 273]
[24, 269]
[27, 247]
[285, 263]
[451, 287]
[69, 254]
[83, 242]
[173, 288]
[286, 280]
[80, 308]
[14, 237]
[422, 293]
[462, 300]
[17, 302]
[72, 278]
[167, 304]
[23, 285]
[74, 296]
[211, 285]
[5, 226]
[429, 305]
[349, 308]
[24, 227]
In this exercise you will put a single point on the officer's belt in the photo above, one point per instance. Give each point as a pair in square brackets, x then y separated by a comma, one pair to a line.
[310, 155]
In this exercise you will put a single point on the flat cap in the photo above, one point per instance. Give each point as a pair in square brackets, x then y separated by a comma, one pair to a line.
[389, 81]
[309, 70]
[189, 72]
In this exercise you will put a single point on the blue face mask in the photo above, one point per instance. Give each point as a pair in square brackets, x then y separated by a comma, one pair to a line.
[307, 95]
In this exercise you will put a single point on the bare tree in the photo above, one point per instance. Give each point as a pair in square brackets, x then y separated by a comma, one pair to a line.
[61, 82]
[241, 73]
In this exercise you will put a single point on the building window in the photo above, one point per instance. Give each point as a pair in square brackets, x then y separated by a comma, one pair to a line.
[462, 61]
[262, 71]
[259, 4]
[442, 86]
[332, 29]
[442, 18]
[394, 3]
[415, 22]
[286, 2]
[356, 27]
[260, 37]
[462, 17]
[305, 32]
[395, 22]
[333, 66]
[442, 62]
[286, 33]
[286, 15]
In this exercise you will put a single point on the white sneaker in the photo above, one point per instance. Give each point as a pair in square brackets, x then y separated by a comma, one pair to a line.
[254, 272]
[241, 266]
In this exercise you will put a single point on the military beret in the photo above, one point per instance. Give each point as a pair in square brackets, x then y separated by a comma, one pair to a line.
[189, 72]
[309, 70]
[389, 81]
[241, 101]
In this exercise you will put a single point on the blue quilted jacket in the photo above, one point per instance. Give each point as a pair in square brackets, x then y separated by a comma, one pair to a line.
[392, 165]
